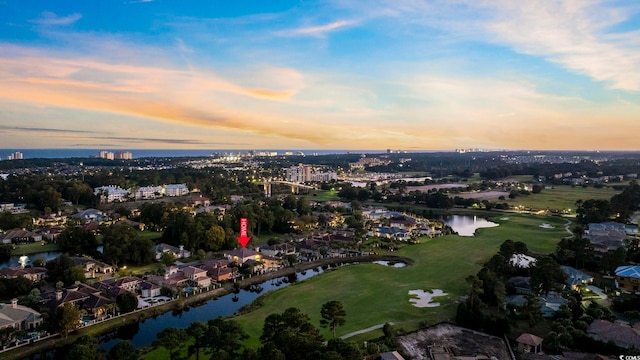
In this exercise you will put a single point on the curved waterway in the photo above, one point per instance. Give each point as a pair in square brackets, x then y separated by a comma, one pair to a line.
[143, 333]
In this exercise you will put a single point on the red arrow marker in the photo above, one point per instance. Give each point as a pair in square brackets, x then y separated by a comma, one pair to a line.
[243, 239]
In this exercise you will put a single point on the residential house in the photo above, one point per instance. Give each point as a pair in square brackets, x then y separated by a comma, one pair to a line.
[628, 278]
[19, 317]
[198, 201]
[82, 296]
[197, 277]
[218, 270]
[89, 215]
[576, 278]
[521, 284]
[177, 252]
[403, 222]
[50, 220]
[19, 236]
[242, 255]
[148, 289]
[278, 250]
[93, 268]
[607, 236]
[34, 274]
[549, 303]
[133, 224]
[220, 274]
[622, 335]
[393, 355]
[14, 208]
[128, 283]
[171, 278]
[391, 233]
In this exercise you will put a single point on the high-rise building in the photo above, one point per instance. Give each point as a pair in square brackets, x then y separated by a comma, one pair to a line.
[305, 173]
[104, 154]
[15, 156]
[123, 155]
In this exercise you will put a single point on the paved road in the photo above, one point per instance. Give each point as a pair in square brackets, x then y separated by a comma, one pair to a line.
[371, 328]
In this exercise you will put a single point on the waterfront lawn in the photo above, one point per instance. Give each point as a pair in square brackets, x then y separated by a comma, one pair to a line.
[374, 294]
[33, 248]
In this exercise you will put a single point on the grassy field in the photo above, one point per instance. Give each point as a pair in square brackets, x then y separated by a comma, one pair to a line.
[323, 195]
[561, 197]
[151, 235]
[373, 294]
[34, 248]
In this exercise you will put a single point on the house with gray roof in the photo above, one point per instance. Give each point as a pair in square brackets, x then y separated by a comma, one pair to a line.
[607, 236]
[622, 335]
[19, 317]
[575, 277]
[177, 252]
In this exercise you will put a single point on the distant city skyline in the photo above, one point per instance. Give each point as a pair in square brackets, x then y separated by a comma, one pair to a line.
[336, 74]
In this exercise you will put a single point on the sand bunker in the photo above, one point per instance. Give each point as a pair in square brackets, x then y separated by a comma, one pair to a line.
[424, 297]
[547, 226]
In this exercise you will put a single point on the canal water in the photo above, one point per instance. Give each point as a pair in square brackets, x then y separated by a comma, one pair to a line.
[467, 225]
[144, 333]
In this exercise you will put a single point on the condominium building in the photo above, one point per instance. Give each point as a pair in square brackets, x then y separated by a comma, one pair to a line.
[176, 190]
[107, 155]
[123, 155]
[111, 193]
[307, 173]
[149, 192]
[15, 156]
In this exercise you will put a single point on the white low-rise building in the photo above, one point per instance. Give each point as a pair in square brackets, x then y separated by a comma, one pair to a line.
[111, 193]
[149, 192]
[176, 190]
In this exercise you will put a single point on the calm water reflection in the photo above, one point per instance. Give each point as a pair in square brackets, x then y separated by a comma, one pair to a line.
[144, 333]
[467, 225]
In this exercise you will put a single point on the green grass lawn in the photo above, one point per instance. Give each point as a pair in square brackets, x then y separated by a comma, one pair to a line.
[562, 197]
[373, 294]
[151, 235]
[34, 248]
[323, 195]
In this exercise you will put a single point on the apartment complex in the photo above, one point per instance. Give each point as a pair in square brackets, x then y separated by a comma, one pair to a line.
[307, 173]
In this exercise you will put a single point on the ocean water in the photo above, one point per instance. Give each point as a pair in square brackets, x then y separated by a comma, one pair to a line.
[141, 153]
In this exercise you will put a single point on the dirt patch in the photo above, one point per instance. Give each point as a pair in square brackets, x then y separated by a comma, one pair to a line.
[447, 341]
[425, 188]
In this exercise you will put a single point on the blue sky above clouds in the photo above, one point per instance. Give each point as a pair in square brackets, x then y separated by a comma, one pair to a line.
[336, 74]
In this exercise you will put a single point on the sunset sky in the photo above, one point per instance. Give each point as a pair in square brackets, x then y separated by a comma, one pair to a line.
[332, 74]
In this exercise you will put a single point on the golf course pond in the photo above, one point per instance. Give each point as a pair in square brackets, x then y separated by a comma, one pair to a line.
[466, 225]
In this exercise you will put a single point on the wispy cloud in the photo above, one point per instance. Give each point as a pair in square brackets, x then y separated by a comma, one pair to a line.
[319, 30]
[51, 19]
[575, 35]
[46, 130]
